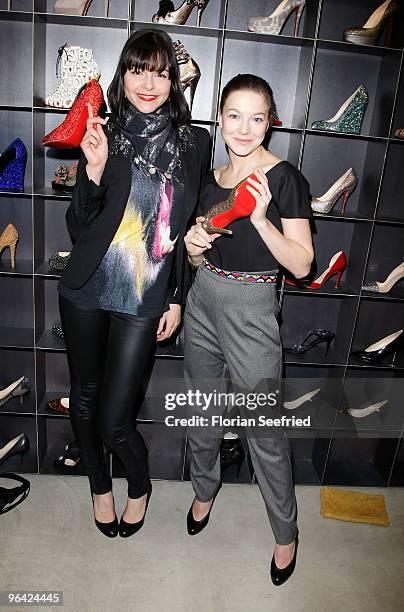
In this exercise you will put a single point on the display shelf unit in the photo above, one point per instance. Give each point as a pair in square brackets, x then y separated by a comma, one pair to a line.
[311, 76]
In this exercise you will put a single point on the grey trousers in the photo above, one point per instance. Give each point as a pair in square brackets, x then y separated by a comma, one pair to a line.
[233, 323]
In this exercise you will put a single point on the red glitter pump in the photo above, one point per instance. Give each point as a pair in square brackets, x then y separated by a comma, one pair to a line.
[69, 134]
[240, 203]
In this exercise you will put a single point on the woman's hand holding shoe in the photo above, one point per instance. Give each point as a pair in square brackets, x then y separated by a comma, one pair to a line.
[95, 146]
[197, 241]
[262, 195]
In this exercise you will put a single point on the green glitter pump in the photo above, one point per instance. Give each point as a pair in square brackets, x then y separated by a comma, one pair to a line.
[349, 118]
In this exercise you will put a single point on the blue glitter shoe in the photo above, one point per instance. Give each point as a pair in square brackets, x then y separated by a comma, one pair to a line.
[349, 118]
[12, 166]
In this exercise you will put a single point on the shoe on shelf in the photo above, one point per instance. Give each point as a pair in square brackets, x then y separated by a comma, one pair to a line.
[17, 388]
[65, 178]
[316, 336]
[111, 529]
[337, 265]
[364, 411]
[349, 118]
[75, 67]
[129, 529]
[385, 286]
[273, 24]
[399, 133]
[58, 331]
[60, 405]
[240, 203]
[70, 132]
[189, 72]
[167, 14]
[17, 446]
[299, 401]
[370, 33]
[232, 453]
[59, 260]
[275, 119]
[70, 459]
[12, 166]
[343, 186]
[382, 348]
[76, 7]
[279, 576]
[9, 238]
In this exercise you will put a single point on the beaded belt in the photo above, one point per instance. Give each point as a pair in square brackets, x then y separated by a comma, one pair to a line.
[249, 277]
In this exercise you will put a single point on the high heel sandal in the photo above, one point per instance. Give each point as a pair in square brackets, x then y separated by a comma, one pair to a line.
[9, 238]
[189, 71]
[320, 335]
[279, 576]
[274, 23]
[76, 7]
[349, 118]
[336, 266]
[166, 14]
[65, 178]
[232, 453]
[17, 446]
[18, 388]
[370, 33]
[108, 529]
[12, 166]
[128, 529]
[240, 203]
[384, 287]
[381, 349]
[70, 132]
[343, 186]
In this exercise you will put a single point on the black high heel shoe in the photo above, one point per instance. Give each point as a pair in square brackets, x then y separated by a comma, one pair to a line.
[279, 576]
[194, 527]
[108, 529]
[128, 529]
[17, 446]
[380, 349]
[232, 453]
[320, 335]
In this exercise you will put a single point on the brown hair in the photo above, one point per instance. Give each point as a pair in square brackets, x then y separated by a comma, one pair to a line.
[249, 82]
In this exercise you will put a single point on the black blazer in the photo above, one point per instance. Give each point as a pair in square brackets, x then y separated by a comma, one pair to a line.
[96, 211]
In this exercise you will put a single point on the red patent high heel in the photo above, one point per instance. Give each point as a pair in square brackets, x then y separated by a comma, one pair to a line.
[69, 134]
[336, 266]
[240, 203]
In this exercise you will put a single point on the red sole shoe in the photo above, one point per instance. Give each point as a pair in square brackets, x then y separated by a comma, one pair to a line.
[69, 134]
[240, 203]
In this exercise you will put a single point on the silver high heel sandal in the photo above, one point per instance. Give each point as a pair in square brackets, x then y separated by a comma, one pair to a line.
[274, 23]
[344, 185]
[189, 71]
[386, 286]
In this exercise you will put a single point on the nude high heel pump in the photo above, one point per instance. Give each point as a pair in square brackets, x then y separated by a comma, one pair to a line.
[343, 186]
[76, 7]
[370, 33]
[384, 287]
[274, 23]
[189, 71]
[166, 14]
[9, 238]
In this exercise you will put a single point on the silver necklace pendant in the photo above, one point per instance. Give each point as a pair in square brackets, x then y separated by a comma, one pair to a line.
[152, 170]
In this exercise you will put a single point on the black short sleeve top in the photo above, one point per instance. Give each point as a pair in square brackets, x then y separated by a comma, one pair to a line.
[245, 251]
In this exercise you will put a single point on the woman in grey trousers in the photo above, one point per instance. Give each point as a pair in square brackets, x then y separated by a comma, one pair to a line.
[230, 318]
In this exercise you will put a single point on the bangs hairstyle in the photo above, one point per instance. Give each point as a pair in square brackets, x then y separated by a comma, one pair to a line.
[250, 82]
[152, 50]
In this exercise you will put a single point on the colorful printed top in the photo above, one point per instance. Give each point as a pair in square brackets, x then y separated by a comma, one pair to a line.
[133, 275]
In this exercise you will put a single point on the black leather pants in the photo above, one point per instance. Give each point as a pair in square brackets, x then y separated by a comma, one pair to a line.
[108, 353]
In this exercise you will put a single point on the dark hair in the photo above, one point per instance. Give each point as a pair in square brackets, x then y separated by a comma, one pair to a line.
[149, 49]
[249, 82]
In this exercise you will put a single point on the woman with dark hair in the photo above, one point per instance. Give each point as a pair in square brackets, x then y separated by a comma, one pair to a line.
[230, 317]
[137, 186]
